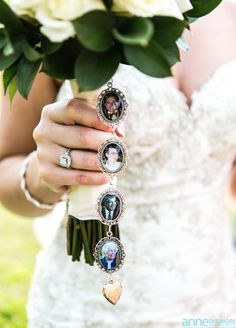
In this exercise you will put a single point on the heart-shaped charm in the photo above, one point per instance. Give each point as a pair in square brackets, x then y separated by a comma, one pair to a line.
[112, 291]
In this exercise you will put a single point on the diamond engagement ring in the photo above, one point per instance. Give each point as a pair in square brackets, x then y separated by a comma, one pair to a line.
[65, 159]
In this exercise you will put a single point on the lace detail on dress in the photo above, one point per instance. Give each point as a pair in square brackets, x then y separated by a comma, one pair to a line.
[180, 261]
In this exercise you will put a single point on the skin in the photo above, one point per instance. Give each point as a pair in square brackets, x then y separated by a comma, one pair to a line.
[110, 254]
[28, 125]
[112, 155]
[110, 104]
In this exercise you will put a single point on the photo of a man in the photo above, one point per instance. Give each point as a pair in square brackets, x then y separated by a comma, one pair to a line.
[110, 207]
[112, 107]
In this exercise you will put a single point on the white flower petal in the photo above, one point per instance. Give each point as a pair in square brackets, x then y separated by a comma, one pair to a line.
[56, 30]
[149, 8]
[184, 5]
[71, 9]
[24, 7]
[58, 34]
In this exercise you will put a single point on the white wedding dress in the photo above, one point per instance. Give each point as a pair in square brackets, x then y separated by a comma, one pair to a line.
[179, 262]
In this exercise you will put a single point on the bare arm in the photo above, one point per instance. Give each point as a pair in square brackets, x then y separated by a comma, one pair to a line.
[17, 123]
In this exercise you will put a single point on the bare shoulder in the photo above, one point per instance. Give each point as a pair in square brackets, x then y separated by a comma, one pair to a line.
[212, 32]
[229, 7]
[211, 37]
[222, 18]
[212, 43]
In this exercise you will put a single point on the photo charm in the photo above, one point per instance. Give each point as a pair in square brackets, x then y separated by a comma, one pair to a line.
[112, 156]
[112, 106]
[109, 254]
[110, 207]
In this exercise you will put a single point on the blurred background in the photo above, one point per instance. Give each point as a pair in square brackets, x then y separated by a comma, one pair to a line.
[18, 248]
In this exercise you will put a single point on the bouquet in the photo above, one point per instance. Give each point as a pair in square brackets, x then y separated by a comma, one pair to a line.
[86, 40]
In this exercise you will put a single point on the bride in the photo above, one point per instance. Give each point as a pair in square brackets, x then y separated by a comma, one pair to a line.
[181, 137]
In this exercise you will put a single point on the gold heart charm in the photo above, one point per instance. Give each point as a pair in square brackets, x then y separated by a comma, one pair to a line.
[112, 291]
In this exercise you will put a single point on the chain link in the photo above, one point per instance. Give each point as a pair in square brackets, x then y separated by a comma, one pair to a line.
[110, 83]
[109, 233]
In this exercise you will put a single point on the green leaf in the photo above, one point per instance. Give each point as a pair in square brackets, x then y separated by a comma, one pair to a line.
[150, 60]
[3, 38]
[49, 47]
[9, 19]
[172, 53]
[12, 89]
[8, 75]
[94, 30]
[8, 48]
[26, 73]
[30, 53]
[202, 7]
[6, 61]
[167, 29]
[92, 70]
[60, 64]
[134, 31]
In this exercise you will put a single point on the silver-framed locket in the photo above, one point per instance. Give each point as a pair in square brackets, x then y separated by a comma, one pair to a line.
[112, 156]
[112, 105]
[109, 254]
[110, 206]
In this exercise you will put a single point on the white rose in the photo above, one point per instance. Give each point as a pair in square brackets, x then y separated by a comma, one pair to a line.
[55, 16]
[149, 8]
[71, 9]
[184, 5]
[56, 30]
[24, 7]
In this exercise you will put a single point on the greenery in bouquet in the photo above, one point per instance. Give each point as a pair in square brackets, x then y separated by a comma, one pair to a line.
[86, 40]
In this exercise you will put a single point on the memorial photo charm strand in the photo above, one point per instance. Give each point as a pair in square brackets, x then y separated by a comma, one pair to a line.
[109, 253]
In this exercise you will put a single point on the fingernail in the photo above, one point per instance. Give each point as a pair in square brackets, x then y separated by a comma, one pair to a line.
[121, 130]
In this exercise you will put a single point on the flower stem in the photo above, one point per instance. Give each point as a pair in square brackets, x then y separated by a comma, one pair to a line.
[99, 225]
[94, 235]
[80, 246]
[85, 235]
[69, 235]
[87, 253]
[75, 239]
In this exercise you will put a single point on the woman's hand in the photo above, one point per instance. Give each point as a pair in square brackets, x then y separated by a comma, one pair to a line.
[70, 124]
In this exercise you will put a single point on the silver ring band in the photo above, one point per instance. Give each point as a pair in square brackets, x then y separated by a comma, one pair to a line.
[65, 159]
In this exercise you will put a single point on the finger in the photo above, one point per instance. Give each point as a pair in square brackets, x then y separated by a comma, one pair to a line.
[120, 130]
[76, 111]
[84, 160]
[56, 177]
[80, 159]
[78, 137]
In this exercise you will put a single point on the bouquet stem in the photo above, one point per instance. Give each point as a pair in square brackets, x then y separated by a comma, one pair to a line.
[85, 235]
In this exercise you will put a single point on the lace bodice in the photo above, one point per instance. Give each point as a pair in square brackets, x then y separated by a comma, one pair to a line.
[173, 143]
[180, 262]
